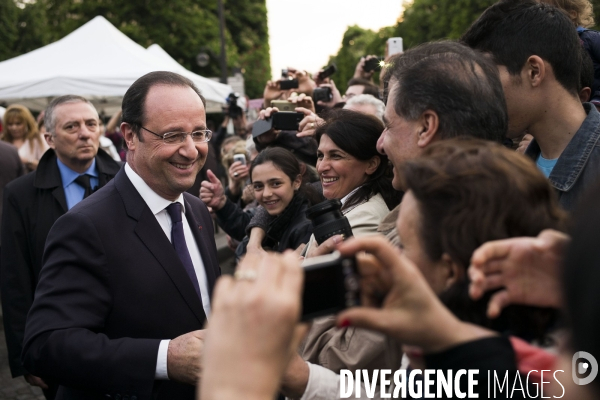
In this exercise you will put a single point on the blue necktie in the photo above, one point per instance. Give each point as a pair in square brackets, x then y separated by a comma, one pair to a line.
[178, 241]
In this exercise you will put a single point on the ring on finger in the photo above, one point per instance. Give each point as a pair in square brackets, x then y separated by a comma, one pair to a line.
[235, 174]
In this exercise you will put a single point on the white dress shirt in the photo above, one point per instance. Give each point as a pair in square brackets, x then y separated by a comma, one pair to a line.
[158, 206]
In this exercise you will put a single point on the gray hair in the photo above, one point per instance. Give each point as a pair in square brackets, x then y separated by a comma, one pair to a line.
[369, 100]
[458, 83]
[49, 114]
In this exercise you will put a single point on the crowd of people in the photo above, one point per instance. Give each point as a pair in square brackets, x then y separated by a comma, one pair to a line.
[468, 178]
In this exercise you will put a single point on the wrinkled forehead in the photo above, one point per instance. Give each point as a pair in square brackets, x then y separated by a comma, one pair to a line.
[75, 111]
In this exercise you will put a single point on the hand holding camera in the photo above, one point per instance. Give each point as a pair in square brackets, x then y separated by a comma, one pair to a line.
[366, 67]
[397, 300]
[327, 95]
[271, 120]
[309, 123]
[302, 100]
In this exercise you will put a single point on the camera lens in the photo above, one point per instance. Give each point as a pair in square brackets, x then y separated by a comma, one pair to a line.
[328, 220]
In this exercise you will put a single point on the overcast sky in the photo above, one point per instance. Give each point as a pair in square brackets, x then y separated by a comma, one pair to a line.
[304, 33]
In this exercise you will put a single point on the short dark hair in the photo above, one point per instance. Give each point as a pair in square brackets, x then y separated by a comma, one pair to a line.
[369, 87]
[513, 30]
[470, 192]
[357, 134]
[586, 78]
[456, 82]
[135, 97]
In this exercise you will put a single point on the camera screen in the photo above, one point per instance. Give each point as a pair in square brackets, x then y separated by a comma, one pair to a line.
[329, 287]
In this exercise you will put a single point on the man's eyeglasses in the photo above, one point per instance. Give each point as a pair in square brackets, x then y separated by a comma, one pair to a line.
[179, 137]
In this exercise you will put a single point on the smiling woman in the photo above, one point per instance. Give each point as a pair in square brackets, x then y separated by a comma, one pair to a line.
[278, 187]
[351, 170]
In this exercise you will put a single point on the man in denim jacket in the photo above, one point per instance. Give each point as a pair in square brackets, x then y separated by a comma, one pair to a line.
[538, 55]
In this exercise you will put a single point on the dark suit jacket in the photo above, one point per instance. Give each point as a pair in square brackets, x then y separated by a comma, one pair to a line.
[11, 167]
[111, 288]
[32, 204]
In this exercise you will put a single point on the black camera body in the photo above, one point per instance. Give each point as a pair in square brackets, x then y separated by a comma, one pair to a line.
[330, 285]
[323, 94]
[233, 110]
[327, 72]
[328, 220]
[285, 121]
[372, 64]
[286, 84]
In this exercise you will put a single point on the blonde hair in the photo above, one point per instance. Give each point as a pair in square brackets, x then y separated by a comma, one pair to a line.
[22, 113]
[238, 148]
[581, 12]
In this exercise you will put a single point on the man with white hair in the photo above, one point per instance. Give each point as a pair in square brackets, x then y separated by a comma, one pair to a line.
[69, 171]
[367, 104]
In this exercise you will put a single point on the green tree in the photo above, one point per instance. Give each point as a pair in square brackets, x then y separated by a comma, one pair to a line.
[8, 28]
[31, 28]
[355, 44]
[182, 27]
[427, 20]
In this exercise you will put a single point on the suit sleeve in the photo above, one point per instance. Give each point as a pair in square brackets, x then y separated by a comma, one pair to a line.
[63, 335]
[17, 281]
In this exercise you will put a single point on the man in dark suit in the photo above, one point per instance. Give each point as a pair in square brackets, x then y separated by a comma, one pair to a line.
[119, 315]
[34, 202]
[11, 168]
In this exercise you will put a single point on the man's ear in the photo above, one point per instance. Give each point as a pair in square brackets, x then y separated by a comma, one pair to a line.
[373, 164]
[585, 94]
[429, 122]
[49, 139]
[454, 273]
[535, 70]
[129, 136]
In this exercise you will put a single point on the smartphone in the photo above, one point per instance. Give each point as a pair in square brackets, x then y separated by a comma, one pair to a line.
[327, 72]
[371, 64]
[394, 46]
[330, 285]
[284, 105]
[286, 84]
[240, 157]
[285, 121]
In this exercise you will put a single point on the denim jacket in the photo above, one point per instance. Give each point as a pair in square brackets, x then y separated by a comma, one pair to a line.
[578, 167]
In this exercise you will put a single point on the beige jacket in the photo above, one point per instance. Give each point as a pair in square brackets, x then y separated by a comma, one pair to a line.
[353, 348]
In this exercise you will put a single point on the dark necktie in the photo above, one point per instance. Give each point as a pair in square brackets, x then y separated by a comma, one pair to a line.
[84, 182]
[178, 241]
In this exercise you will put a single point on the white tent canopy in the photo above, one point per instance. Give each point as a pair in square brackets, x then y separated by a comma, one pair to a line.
[96, 61]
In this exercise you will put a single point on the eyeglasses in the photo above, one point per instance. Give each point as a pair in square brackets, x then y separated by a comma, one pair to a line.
[179, 137]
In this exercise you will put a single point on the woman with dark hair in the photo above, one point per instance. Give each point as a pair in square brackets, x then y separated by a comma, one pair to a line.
[352, 170]
[279, 188]
[459, 195]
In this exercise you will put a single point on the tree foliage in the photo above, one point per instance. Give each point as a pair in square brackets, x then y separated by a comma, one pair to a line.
[182, 27]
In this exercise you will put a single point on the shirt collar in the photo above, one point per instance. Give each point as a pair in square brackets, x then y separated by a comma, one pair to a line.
[574, 157]
[155, 202]
[68, 175]
[346, 197]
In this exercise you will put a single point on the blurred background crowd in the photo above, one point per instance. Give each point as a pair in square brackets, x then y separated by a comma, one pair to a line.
[460, 177]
